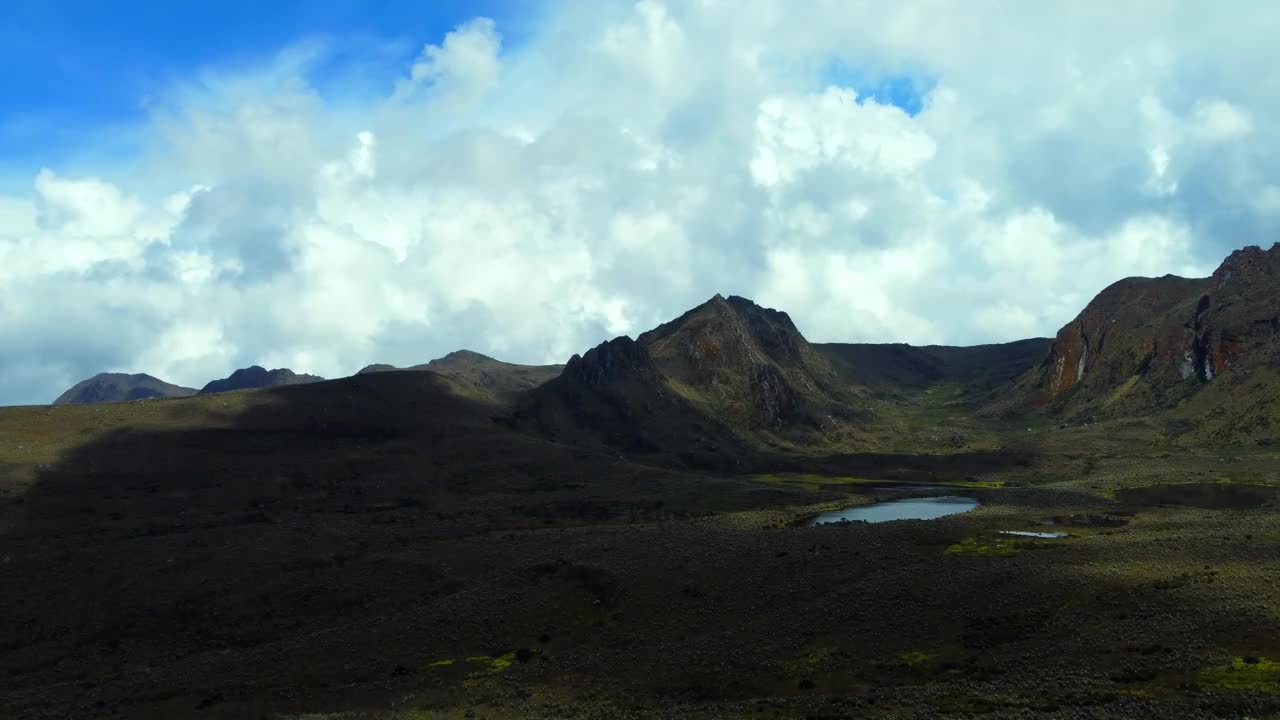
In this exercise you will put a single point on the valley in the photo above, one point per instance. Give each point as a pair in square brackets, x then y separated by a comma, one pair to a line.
[631, 534]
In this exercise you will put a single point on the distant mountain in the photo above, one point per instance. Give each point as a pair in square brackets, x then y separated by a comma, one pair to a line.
[481, 371]
[256, 376]
[1151, 344]
[120, 387]
[897, 369]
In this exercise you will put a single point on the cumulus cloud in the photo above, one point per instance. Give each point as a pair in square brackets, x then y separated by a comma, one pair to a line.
[461, 69]
[627, 161]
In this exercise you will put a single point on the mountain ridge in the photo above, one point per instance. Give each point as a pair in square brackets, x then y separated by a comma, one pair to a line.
[120, 387]
[256, 377]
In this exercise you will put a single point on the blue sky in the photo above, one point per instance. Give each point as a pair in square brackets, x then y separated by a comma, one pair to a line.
[75, 73]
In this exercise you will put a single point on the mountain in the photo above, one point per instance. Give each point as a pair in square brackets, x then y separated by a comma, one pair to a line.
[256, 376]
[721, 383]
[750, 366]
[1149, 344]
[481, 371]
[616, 395]
[120, 387]
[897, 369]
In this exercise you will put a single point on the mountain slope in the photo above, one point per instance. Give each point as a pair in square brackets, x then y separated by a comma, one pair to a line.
[1148, 344]
[120, 387]
[897, 369]
[616, 395]
[482, 371]
[255, 376]
[749, 366]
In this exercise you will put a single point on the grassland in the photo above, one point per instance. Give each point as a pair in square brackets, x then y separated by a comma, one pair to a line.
[381, 548]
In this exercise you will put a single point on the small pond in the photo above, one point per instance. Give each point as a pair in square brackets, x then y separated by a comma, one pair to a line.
[910, 509]
[1028, 533]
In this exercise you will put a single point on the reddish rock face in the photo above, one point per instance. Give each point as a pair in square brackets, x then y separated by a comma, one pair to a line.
[1156, 339]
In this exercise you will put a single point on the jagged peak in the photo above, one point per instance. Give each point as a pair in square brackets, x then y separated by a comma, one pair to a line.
[621, 357]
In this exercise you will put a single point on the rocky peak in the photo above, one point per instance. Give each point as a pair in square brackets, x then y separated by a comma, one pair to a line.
[1247, 265]
[743, 361]
[618, 359]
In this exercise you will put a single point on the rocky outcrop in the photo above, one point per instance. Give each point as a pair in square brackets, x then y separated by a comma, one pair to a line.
[618, 360]
[1150, 342]
[120, 387]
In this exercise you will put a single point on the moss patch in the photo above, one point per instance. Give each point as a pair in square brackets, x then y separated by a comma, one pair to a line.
[442, 663]
[1244, 673]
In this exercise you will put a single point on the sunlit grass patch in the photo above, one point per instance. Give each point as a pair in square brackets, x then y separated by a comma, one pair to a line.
[915, 659]
[1258, 674]
[976, 547]
[494, 664]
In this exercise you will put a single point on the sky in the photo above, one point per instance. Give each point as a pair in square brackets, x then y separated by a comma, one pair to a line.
[189, 188]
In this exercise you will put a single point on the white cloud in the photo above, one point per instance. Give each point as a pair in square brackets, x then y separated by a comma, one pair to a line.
[463, 68]
[87, 207]
[799, 133]
[626, 161]
[1219, 120]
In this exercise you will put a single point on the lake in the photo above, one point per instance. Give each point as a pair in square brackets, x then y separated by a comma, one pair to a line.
[928, 508]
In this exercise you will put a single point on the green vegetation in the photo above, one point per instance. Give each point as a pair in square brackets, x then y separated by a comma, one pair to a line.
[807, 664]
[974, 546]
[443, 663]
[494, 664]
[915, 659]
[812, 481]
[1257, 674]
[1121, 391]
[808, 480]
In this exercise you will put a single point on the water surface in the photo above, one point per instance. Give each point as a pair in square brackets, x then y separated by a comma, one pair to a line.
[928, 508]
